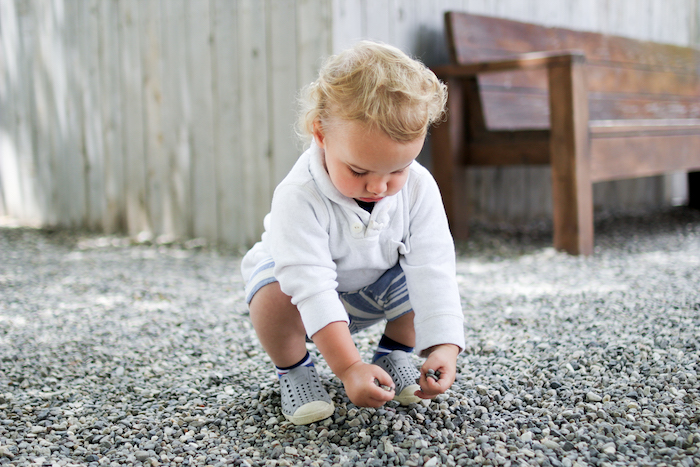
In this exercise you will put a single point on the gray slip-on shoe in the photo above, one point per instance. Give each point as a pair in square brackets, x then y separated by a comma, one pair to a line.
[304, 400]
[404, 374]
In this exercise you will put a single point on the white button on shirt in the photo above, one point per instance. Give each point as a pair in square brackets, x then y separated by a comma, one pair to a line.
[374, 225]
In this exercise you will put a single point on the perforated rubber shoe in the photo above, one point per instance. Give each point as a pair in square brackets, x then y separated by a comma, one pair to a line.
[404, 374]
[304, 400]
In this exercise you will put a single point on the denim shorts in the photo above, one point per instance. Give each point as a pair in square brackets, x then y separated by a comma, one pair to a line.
[386, 299]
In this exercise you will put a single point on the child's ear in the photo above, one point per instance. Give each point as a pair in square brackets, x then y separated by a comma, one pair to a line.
[319, 135]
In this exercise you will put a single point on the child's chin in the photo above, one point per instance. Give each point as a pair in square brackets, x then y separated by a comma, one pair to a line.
[370, 200]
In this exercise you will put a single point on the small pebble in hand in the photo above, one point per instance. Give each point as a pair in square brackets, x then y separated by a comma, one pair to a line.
[431, 374]
[383, 386]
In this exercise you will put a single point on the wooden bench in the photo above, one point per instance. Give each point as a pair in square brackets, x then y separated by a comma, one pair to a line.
[595, 107]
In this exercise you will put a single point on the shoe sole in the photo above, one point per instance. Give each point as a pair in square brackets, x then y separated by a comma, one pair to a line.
[311, 412]
[408, 396]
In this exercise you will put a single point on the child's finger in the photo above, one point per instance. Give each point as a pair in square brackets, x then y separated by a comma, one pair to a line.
[432, 383]
[381, 393]
[385, 387]
[382, 378]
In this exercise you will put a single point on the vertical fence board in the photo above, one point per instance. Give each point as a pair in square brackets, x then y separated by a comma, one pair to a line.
[347, 23]
[111, 116]
[176, 120]
[376, 18]
[9, 83]
[131, 73]
[91, 114]
[26, 180]
[254, 114]
[55, 56]
[404, 28]
[204, 199]
[282, 72]
[314, 40]
[157, 182]
[227, 129]
[42, 111]
[73, 167]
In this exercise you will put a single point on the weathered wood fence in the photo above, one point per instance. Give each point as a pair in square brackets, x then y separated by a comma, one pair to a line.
[175, 117]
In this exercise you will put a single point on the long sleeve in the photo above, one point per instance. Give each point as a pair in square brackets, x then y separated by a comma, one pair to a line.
[429, 265]
[298, 242]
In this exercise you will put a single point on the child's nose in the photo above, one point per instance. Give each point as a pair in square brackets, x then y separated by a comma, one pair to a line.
[377, 185]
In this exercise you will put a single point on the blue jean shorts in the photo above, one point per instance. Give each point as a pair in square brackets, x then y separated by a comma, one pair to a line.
[386, 299]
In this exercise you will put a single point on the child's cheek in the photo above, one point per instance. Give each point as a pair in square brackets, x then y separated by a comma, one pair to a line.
[397, 184]
[344, 185]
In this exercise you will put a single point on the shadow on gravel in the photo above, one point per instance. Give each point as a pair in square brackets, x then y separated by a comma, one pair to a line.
[613, 231]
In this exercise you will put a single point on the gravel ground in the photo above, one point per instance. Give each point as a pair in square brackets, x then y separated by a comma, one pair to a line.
[115, 352]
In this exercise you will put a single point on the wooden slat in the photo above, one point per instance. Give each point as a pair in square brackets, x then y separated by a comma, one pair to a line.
[347, 18]
[507, 105]
[203, 166]
[510, 148]
[314, 37]
[283, 86]
[641, 127]
[627, 80]
[254, 151]
[227, 128]
[8, 40]
[176, 121]
[113, 219]
[509, 110]
[43, 56]
[615, 158]
[619, 81]
[506, 108]
[133, 133]
[524, 61]
[157, 190]
[376, 16]
[402, 28]
[73, 168]
[470, 32]
[610, 106]
[17, 165]
[93, 149]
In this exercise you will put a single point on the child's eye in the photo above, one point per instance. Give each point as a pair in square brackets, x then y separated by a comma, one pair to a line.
[357, 174]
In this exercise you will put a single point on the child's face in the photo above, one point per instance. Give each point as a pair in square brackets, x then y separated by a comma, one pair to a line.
[365, 163]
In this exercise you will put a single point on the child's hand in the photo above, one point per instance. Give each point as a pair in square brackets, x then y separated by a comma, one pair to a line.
[360, 386]
[442, 359]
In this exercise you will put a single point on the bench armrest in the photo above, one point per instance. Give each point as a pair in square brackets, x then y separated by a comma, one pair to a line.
[526, 61]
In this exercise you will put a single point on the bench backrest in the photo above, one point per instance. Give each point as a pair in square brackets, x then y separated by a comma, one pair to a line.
[626, 78]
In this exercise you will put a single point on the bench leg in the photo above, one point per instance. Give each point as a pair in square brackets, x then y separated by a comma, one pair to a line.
[447, 153]
[572, 191]
[694, 190]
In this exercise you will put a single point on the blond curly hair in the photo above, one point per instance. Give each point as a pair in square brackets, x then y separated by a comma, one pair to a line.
[376, 84]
